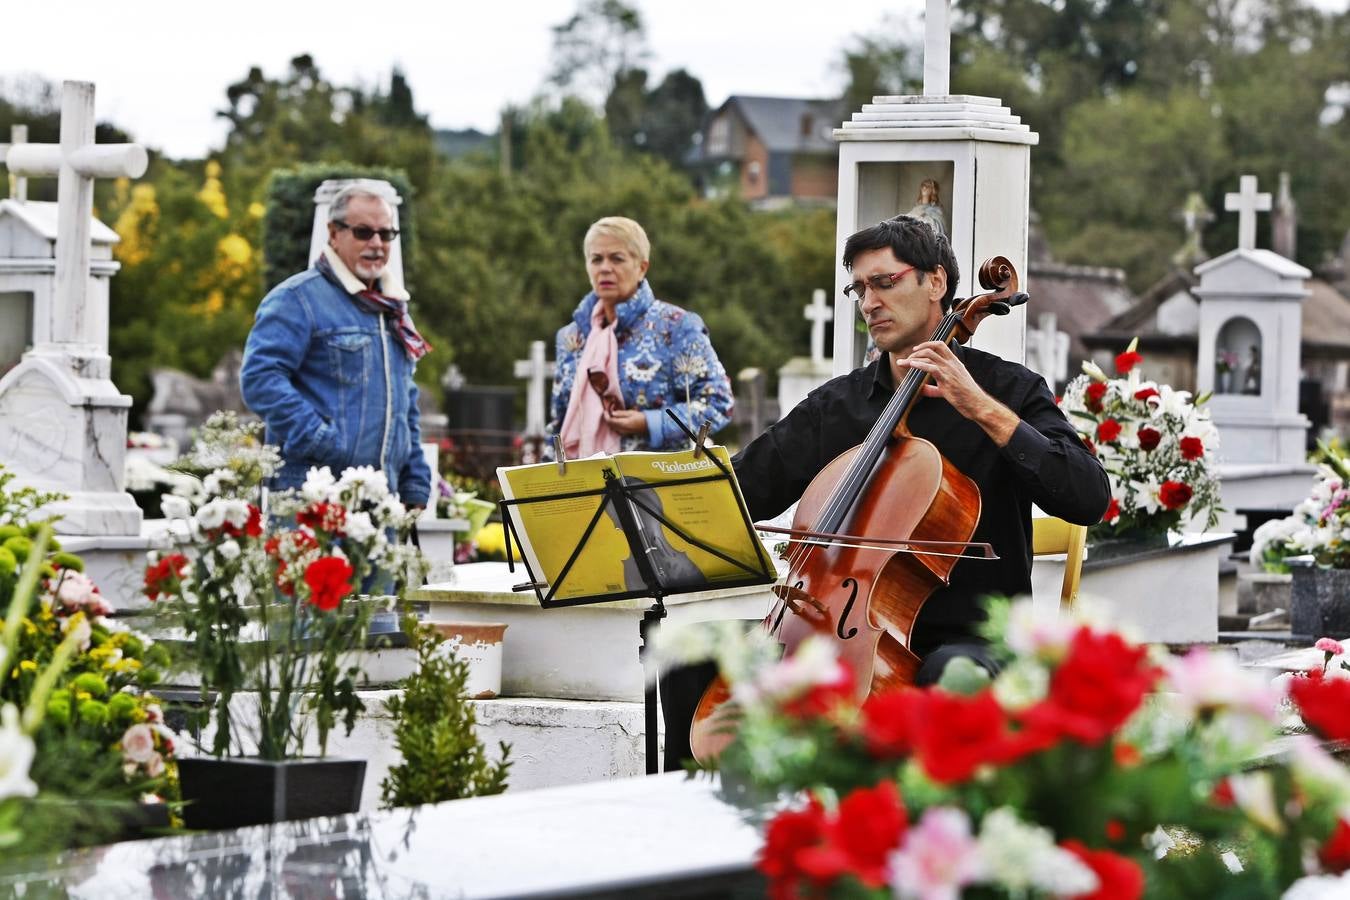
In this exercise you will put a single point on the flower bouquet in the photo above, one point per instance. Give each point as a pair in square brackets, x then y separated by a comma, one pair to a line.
[1091, 766]
[84, 750]
[1319, 525]
[278, 605]
[1156, 444]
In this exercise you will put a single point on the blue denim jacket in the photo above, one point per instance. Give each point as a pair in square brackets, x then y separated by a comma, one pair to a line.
[334, 387]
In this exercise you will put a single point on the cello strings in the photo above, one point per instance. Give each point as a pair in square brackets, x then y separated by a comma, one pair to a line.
[869, 454]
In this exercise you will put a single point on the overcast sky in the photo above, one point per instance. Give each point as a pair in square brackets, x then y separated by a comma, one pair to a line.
[161, 68]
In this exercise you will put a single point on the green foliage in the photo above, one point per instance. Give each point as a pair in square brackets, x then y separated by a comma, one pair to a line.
[290, 216]
[593, 49]
[443, 758]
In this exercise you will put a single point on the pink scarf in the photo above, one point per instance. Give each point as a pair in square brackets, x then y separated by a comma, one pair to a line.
[584, 431]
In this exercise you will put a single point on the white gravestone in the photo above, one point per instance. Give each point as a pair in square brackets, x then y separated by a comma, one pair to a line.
[536, 370]
[976, 151]
[1048, 350]
[800, 375]
[18, 185]
[63, 423]
[1251, 307]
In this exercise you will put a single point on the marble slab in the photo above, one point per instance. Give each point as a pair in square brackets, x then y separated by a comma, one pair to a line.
[579, 652]
[642, 837]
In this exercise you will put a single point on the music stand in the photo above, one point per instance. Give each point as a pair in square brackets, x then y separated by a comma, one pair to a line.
[626, 498]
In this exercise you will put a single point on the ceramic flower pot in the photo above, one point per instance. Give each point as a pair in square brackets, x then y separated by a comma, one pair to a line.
[233, 793]
[480, 645]
[1319, 602]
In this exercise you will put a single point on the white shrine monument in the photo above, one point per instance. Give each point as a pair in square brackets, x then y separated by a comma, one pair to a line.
[1248, 346]
[976, 153]
[63, 423]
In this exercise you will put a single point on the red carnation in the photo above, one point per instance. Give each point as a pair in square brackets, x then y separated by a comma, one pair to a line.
[1097, 687]
[1094, 394]
[1143, 395]
[1192, 448]
[163, 578]
[823, 698]
[1107, 431]
[886, 718]
[789, 834]
[1127, 361]
[860, 837]
[328, 581]
[329, 517]
[1149, 438]
[1222, 796]
[1112, 511]
[1335, 853]
[1118, 877]
[1324, 704]
[1174, 494]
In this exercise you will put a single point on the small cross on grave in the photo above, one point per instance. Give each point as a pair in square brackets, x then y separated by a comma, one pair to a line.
[18, 185]
[537, 369]
[819, 312]
[937, 48]
[1247, 203]
[75, 162]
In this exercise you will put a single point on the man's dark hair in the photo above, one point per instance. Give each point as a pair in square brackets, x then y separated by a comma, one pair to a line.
[914, 243]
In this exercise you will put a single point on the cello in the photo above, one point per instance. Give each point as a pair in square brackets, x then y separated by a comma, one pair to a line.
[877, 531]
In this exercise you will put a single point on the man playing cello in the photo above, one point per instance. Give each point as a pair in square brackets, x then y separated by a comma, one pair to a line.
[995, 421]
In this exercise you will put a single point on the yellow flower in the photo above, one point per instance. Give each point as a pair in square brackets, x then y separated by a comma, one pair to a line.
[28, 665]
[257, 210]
[212, 194]
[235, 249]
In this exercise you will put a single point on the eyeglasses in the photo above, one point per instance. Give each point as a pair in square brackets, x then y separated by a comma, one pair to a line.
[878, 283]
[365, 232]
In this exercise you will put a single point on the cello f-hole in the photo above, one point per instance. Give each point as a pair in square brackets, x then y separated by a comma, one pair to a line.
[852, 585]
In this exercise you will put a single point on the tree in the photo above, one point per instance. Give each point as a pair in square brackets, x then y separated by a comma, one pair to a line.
[600, 41]
[661, 121]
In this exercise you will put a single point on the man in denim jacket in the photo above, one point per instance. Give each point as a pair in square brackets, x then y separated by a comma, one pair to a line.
[329, 363]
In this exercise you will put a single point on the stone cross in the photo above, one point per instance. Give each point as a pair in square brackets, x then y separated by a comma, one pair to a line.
[536, 369]
[75, 162]
[937, 48]
[819, 312]
[18, 185]
[1247, 203]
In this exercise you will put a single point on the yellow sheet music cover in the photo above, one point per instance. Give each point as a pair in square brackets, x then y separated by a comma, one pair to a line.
[710, 511]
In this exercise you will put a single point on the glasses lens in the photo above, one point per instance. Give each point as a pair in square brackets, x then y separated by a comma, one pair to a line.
[854, 290]
[365, 233]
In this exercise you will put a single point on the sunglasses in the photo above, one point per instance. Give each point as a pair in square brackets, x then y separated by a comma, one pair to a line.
[878, 283]
[599, 381]
[365, 232]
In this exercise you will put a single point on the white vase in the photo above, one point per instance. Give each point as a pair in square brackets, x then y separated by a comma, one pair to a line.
[480, 645]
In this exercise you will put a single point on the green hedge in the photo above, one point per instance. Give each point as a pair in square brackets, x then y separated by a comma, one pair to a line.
[290, 216]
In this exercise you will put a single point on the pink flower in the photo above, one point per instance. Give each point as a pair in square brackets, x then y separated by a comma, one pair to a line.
[1205, 681]
[938, 858]
[154, 766]
[138, 744]
[1327, 645]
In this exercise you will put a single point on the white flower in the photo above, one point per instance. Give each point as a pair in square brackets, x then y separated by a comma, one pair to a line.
[359, 527]
[1254, 794]
[228, 550]
[369, 482]
[215, 483]
[16, 756]
[1207, 680]
[174, 507]
[212, 514]
[318, 485]
[154, 766]
[816, 662]
[1319, 887]
[1023, 857]
[138, 743]
[75, 589]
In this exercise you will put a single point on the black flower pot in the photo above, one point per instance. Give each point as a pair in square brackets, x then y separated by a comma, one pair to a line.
[233, 793]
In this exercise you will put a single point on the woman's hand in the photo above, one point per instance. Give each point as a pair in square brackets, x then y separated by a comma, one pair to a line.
[627, 421]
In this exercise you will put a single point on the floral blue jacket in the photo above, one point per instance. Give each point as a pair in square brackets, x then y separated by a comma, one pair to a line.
[666, 361]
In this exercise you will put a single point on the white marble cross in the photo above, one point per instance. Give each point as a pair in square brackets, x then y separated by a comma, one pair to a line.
[819, 312]
[1247, 202]
[937, 48]
[75, 162]
[18, 185]
[536, 369]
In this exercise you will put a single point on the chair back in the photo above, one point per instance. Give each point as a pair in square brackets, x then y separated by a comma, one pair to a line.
[1050, 535]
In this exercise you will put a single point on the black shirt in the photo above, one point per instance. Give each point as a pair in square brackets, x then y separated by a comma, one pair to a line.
[1044, 463]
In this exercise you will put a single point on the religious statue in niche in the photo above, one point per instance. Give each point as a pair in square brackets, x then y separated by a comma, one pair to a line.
[1251, 383]
[1226, 365]
[928, 207]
